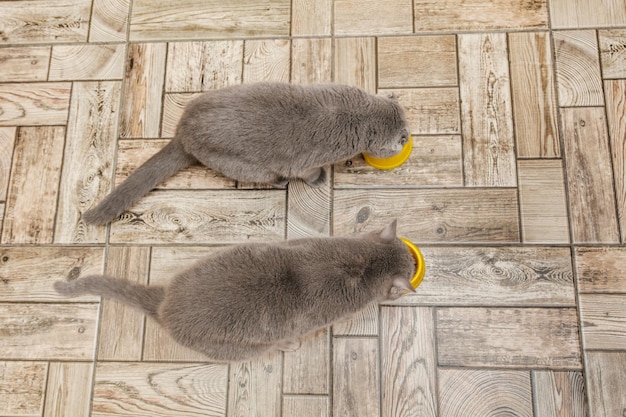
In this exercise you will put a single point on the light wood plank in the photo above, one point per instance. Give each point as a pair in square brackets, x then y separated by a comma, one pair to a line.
[48, 331]
[559, 394]
[578, 68]
[603, 319]
[42, 21]
[209, 19]
[508, 337]
[534, 100]
[488, 143]
[255, 387]
[484, 393]
[583, 13]
[417, 61]
[160, 346]
[306, 369]
[159, 389]
[408, 362]
[363, 323]
[353, 17]
[601, 270]
[28, 272]
[311, 60]
[87, 62]
[88, 159]
[202, 66]
[463, 15]
[613, 53]
[543, 205]
[122, 327]
[24, 63]
[267, 60]
[22, 388]
[68, 389]
[173, 108]
[311, 17]
[606, 378]
[430, 110]
[355, 377]
[308, 209]
[495, 276]
[221, 216]
[450, 215]
[7, 142]
[435, 161]
[145, 73]
[34, 104]
[616, 116]
[355, 62]
[34, 185]
[303, 406]
[589, 175]
[109, 20]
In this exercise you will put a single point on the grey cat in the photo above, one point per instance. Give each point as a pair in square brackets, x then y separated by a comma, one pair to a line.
[268, 133]
[249, 299]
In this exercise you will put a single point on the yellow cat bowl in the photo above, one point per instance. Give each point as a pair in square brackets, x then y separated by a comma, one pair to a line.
[420, 265]
[393, 161]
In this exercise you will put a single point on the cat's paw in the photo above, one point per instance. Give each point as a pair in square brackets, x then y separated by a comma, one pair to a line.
[320, 180]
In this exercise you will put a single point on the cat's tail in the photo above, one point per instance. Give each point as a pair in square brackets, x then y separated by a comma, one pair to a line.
[162, 165]
[141, 297]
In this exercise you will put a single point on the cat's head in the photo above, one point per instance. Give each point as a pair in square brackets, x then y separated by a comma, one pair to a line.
[388, 130]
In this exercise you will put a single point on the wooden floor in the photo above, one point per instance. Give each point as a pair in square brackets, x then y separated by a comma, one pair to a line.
[516, 192]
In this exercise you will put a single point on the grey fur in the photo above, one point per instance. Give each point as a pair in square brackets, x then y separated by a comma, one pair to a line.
[248, 299]
[268, 133]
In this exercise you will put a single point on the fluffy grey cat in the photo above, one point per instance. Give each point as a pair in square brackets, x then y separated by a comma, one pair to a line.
[248, 299]
[268, 133]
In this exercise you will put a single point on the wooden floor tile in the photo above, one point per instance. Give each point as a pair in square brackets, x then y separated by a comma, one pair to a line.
[159, 389]
[615, 91]
[309, 210]
[311, 60]
[559, 394]
[22, 388]
[363, 323]
[582, 13]
[508, 337]
[613, 53]
[34, 104]
[109, 20]
[306, 406]
[24, 63]
[304, 371]
[68, 389]
[159, 346]
[173, 107]
[603, 319]
[87, 62]
[311, 17]
[267, 60]
[255, 387]
[355, 62]
[7, 143]
[606, 377]
[352, 17]
[484, 393]
[601, 270]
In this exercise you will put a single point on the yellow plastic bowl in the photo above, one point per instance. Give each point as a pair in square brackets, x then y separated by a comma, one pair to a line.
[420, 265]
[393, 161]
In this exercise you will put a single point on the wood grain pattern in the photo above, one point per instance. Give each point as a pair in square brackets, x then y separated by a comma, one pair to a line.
[7, 141]
[615, 92]
[450, 215]
[122, 327]
[159, 389]
[488, 143]
[87, 62]
[508, 337]
[48, 331]
[304, 406]
[613, 53]
[430, 60]
[495, 276]
[363, 323]
[266, 60]
[306, 370]
[606, 377]
[355, 377]
[534, 95]
[202, 66]
[462, 15]
[24, 63]
[68, 389]
[543, 205]
[589, 175]
[408, 362]
[352, 17]
[255, 387]
[221, 216]
[22, 388]
[484, 393]
[435, 161]
[190, 19]
[311, 60]
[603, 319]
[173, 107]
[601, 270]
[34, 104]
[355, 62]
[88, 159]
[109, 20]
[578, 68]
[311, 17]
[159, 346]
[34, 185]
[559, 394]
[582, 14]
[27, 273]
[309, 210]
[145, 72]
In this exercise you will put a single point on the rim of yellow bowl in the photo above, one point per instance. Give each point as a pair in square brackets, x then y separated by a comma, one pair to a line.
[393, 161]
[420, 265]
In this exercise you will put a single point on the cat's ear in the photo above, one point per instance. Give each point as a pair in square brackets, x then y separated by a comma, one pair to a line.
[389, 232]
[403, 284]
